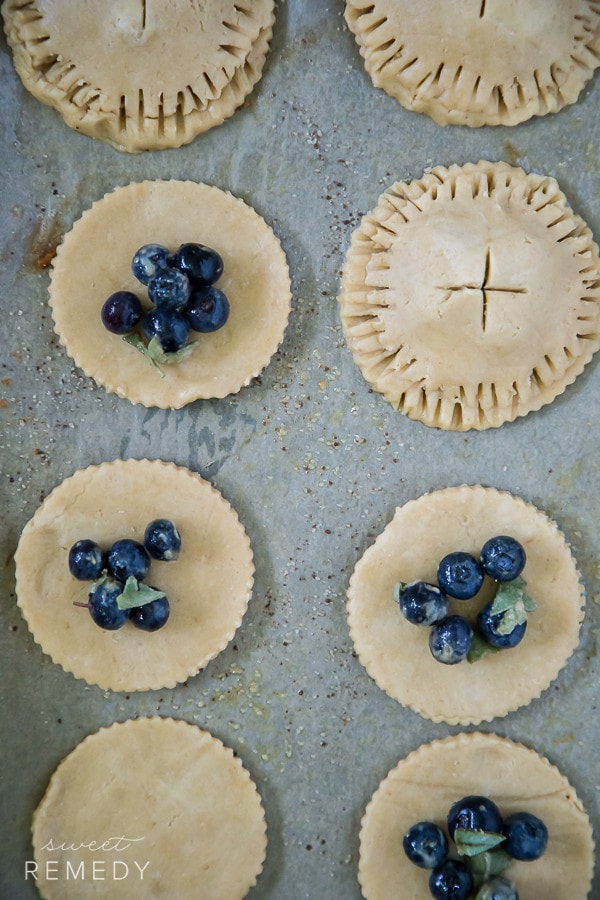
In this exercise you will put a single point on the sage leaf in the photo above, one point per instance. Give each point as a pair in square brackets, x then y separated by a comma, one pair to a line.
[136, 593]
[471, 842]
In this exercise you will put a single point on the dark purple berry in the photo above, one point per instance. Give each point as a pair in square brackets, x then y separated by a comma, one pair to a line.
[171, 329]
[169, 289]
[86, 560]
[460, 575]
[475, 813]
[201, 264]
[121, 312]
[207, 309]
[102, 604]
[127, 557]
[148, 261]
[503, 558]
[151, 616]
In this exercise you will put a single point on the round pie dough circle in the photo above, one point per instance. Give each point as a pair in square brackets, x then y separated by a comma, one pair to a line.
[471, 296]
[478, 62]
[144, 76]
[256, 280]
[424, 785]
[396, 653]
[208, 586]
[185, 802]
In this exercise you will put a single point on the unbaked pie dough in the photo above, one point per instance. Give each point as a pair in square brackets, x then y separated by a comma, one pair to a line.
[152, 791]
[208, 586]
[138, 74]
[425, 784]
[94, 260]
[478, 62]
[396, 653]
[471, 296]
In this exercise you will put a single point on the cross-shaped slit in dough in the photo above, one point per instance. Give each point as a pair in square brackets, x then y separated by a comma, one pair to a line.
[485, 288]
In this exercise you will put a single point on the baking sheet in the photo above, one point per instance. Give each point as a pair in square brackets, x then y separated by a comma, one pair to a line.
[312, 460]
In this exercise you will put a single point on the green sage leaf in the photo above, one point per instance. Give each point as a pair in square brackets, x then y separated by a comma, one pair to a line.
[487, 864]
[479, 648]
[136, 593]
[398, 590]
[471, 842]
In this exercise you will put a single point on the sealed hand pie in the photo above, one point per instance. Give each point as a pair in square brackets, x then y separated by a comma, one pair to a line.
[471, 296]
[141, 76]
[478, 62]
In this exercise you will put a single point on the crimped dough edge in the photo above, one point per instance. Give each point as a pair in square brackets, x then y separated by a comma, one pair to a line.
[130, 659]
[419, 380]
[451, 89]
[141, 121]
[396, 654]
[256, 280]
[187, 741]
[564, 872]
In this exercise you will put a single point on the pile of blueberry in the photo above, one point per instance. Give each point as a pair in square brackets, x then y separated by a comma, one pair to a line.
[118, 593]
[487, 844]
[181, 287]
[500, 624]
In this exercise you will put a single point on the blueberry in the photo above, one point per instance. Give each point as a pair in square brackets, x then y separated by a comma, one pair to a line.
[171, 329]
[503, 558]
[450, 640]
[422, 603]
[151, 616]
[121, 312]
[148, 261]
[488, 625]
[497, 888]
[102, 604]
[526, 836]
[201, 264]
[127, 557]
[86, 560]
[207, 309]
[426, 845]
[162, 540]
[451, 880]
[475, 813]
[169, 289]
[460, 575]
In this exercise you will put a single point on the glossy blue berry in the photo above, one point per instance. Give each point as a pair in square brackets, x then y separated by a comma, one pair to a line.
[102, 604]
[148, 261]
[488, 625]
[526, 836]
[475, 813]
[171, 329]
[121, 312]
[162, 540]
[86, 560]
[460, 575]
[503, 558]
[169, 289]
[207, 309]
[201, 264]
[426, 845]
[497, 888]
[450, 640]
[422, 603]
[127, 557]
[151, 616]
[451, 880]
